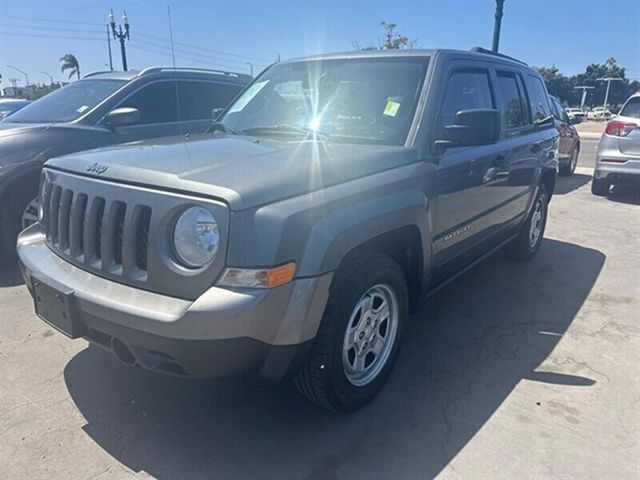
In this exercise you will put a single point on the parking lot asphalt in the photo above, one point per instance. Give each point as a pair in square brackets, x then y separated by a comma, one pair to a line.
[512, 371]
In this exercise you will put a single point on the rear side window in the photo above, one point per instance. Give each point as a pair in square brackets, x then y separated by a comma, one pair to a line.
[631, 108]
[465, 91]
[539, 99]
[515, 111]
[198, 99]
[156, 103]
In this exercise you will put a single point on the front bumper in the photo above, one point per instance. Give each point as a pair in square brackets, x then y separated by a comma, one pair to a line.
[223, 332]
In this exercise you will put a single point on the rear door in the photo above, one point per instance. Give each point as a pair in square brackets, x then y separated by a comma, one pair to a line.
[568, 134]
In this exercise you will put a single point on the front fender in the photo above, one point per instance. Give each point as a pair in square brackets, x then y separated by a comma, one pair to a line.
[317, 229]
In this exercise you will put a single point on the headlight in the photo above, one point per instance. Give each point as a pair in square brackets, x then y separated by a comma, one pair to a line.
[195, 237]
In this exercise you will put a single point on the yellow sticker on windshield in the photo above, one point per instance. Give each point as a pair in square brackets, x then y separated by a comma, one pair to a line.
[391, 110]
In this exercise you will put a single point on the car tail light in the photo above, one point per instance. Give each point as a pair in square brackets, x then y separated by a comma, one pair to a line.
[619, 129]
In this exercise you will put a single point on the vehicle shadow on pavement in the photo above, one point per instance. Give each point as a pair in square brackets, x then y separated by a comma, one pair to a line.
[566, 185]
[9, 273]
[464, 352]
[625, 193]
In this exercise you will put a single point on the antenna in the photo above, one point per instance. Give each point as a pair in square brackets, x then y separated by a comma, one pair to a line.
[173, 53]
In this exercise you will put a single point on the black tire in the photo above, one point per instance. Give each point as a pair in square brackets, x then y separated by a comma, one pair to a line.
[570, 168]
[600, 187]
[323, 378]
[523, 248]
[13, 202]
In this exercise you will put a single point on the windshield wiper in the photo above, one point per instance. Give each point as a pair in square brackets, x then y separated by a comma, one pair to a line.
[220, 127]
[282, 129]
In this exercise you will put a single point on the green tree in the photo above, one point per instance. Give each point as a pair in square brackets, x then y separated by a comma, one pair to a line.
[70, 62]
[619, 90]
[391, 40]
[559, 85]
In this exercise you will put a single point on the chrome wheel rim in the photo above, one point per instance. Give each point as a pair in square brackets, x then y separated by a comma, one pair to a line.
[537, 220]
[30, 213]
[370, 335]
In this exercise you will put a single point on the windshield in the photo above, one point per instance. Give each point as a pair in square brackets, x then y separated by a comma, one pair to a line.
[632, 108]
[361, 100]
[68, 103]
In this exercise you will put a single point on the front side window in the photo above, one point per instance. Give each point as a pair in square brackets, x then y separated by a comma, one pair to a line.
[559, 112]
[539, 99]
[357, 100]
[514, 111]
[199, 99]
[68, 103]
[156, 103]
[465, 91]
[631, 108]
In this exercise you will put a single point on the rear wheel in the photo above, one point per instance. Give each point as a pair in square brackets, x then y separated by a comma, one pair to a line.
[526, 245]
[600, 187]
[358, 339]
[570, 168]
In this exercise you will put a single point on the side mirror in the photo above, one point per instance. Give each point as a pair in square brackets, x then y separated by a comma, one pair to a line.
[471, 127]
[215, 114]
[575, 120]
[120, 117]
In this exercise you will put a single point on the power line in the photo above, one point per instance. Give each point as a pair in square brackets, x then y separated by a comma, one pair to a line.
[50, 20]
[30, 35]
[39, 27]
[198, 47]
[179, 56]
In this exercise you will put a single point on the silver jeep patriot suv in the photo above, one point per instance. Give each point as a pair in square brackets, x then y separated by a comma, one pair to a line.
[294, 238]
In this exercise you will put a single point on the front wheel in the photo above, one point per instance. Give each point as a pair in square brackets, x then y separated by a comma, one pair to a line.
[359, 336]
[526, 245]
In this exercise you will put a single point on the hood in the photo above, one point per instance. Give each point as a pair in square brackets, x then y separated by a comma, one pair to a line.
[23, 143]
[240, 170]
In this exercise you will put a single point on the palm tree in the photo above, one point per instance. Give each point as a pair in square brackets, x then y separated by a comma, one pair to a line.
[70, 62]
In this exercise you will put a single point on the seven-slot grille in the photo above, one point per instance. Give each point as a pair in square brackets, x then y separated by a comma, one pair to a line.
[102, 233]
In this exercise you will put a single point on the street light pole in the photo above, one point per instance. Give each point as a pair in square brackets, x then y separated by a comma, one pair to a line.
[497, 24]
[50, 77]
[250, 68]
[584, 89]
[606, 95]
[26, 77]
[120, 35]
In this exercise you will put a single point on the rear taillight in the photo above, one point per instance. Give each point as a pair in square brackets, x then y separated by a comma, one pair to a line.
[619, 129]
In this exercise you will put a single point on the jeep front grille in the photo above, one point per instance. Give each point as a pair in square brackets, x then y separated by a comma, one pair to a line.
[123, 232]
[97, 232]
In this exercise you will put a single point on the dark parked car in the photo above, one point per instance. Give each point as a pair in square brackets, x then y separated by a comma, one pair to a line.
[336, 192]
[11, 105]
[101, 109]
[569, 142]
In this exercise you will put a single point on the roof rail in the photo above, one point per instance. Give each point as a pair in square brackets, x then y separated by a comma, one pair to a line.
[149, 70]
[97, 72]
[502, 55]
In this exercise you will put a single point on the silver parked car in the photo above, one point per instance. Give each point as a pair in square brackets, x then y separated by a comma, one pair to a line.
[618, 157]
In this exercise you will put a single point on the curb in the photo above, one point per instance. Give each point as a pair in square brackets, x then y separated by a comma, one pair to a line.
[590, 135]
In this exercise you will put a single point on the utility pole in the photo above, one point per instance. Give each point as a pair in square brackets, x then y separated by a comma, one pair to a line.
[26, 77]
[497, 24]
[584, 89]
[109, 47]
[121, 35]
[606, 95]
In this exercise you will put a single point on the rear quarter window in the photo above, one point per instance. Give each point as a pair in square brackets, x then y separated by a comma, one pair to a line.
[631, 108]
[539, 99]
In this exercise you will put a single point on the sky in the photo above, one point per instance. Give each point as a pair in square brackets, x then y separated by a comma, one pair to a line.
[227, 34]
